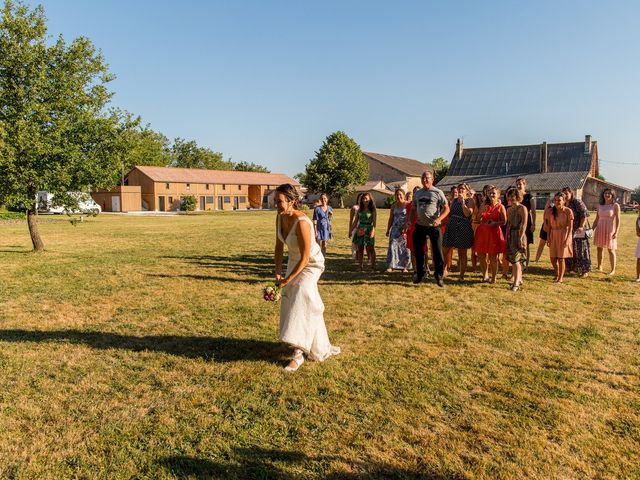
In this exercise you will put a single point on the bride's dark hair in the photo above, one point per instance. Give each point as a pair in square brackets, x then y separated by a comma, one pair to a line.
[292, 194]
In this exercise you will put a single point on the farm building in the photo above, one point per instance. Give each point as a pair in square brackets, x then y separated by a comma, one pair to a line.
[548, 167]
[162, 189]
[395, 171]
[386, 174]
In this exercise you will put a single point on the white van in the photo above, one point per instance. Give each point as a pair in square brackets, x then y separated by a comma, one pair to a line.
[86, 204]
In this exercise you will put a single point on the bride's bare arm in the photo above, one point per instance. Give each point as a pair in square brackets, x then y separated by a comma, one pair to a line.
[278, 254]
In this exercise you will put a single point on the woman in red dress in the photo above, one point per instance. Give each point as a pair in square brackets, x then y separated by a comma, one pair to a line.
[489, 240]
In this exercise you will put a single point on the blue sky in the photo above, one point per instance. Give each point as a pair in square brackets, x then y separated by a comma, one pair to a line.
[267, 81]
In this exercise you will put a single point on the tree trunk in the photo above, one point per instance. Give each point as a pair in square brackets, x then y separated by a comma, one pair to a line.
[32, 221]
[341, 201]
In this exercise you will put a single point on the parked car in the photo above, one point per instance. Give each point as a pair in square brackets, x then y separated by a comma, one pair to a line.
[630, 207]
[45, 203]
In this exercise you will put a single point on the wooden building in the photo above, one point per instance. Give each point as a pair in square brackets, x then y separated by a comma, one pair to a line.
[548, 167]
[122, 198]
[163, 188]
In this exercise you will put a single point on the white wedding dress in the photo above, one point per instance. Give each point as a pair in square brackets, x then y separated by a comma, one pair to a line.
[301, 308]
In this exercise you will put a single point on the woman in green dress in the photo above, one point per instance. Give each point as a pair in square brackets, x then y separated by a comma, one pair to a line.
[365, 229]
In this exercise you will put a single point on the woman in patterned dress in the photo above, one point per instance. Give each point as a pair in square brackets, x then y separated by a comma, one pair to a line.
[606, 226]
[365, 230]
[322, 222]
[559, 225]
[398, 256]
[459, 232]
[580, 263]
[517, 220]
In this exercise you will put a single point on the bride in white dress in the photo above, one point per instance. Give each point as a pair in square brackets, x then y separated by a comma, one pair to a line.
[301, 309]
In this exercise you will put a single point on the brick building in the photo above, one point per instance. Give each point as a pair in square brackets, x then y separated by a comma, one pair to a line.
[162, 188]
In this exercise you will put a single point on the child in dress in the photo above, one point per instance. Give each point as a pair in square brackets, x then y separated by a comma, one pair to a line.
[517, 222]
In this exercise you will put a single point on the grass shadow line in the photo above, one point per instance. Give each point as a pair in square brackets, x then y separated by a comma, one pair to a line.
[213, 349]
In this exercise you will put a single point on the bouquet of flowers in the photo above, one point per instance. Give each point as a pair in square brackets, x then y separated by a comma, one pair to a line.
[271, 293]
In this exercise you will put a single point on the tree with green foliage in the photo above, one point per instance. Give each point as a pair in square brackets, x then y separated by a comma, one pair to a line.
[141, 145]
[635, 194]
[55, 132]
[187, 154]
[337, 168]
[440, 168]
[250, 167]
[188, 203]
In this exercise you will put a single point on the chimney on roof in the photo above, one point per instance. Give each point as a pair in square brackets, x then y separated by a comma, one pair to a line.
[587, 144]
[459, 149]
[544, 158]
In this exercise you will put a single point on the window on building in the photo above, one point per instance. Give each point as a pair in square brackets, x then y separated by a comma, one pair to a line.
[188, 186]
[167, 186]
[207, 187]
[224, 187]
[170, 202]
[209, 199]
[239, 187]
[227, 199]
[243, 200]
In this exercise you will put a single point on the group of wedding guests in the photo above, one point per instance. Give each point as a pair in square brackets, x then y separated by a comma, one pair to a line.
[495, 230]
[492, 229]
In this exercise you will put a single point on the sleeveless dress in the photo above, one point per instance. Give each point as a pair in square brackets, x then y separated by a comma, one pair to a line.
[638, 245]
[323, 222]
[362, 236]
[301, 308]
[398, 255]
[489, 238]
[560, 246]
[605, 228]
[514, 254]
[459, 233]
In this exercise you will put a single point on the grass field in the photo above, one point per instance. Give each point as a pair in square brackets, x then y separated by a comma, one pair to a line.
[140, 347]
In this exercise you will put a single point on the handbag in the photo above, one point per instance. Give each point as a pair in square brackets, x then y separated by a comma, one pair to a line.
[586, 232]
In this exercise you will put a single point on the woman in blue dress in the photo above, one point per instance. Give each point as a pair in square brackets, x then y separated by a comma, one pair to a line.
[322, 222]
[398, 255]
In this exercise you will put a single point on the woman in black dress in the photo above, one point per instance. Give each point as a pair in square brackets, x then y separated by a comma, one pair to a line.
[459, 233]
[581, 261]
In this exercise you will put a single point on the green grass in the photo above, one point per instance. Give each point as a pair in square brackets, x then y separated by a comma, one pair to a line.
[140, 347]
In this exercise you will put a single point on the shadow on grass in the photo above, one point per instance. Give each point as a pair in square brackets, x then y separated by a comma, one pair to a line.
[255, 268]
[214, 349]
[260, 463]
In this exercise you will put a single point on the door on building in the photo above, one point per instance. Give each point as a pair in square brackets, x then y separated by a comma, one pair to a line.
[236, 204]
[220, 203]
[202, 204]
[115, 203]
[161, 204]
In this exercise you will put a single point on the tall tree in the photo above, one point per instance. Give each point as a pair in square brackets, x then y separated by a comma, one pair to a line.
[55, 132]
[250, 167]
[141, 145]
[337, 168]
[187, 154]
[440, 168]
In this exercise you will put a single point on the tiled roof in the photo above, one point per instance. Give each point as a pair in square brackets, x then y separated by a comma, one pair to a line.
[536, 182]
[408, 166]
[196, 175]
[521, 159]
